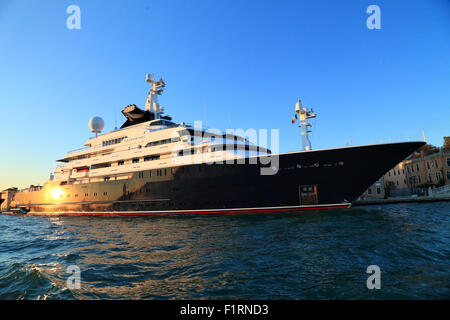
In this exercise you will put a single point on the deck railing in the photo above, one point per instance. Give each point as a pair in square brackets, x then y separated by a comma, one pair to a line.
[78, 150]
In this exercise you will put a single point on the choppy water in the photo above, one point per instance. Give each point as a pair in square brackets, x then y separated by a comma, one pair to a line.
[312, 255]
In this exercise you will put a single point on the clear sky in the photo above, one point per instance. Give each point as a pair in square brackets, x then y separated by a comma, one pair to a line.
[230, 63]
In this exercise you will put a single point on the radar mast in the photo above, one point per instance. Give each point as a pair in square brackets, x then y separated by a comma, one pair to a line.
[302, 115]
[157, 88]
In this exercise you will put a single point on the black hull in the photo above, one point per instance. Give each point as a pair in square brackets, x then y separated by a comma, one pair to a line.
[320, 179]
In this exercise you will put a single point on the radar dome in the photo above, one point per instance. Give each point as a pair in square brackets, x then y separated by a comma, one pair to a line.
[96, 124]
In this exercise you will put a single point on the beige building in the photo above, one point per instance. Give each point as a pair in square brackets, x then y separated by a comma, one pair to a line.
[395, 181]
[428, 167]
[428, 170]
[375, 191]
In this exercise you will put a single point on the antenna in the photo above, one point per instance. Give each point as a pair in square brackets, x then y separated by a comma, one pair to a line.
[96, 124]
[157, 88]
[423, 134]
[302, 115]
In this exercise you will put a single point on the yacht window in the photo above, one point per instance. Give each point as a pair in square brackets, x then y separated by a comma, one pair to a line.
[113, 141]
[159, 142]
[156, 123]
[135, 160]
[150, 158]
[120, 163]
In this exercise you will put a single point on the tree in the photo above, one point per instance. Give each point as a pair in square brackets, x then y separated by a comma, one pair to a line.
[428, 149]
[446, 146]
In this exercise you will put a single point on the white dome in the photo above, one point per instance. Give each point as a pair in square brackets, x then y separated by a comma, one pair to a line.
[96, 124]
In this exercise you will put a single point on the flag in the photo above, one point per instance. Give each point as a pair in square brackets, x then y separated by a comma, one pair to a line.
[294, 118]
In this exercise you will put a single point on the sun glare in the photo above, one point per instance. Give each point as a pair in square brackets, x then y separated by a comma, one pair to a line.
[56, 193]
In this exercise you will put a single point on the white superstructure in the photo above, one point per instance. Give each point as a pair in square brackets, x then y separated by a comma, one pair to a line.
[153, 144]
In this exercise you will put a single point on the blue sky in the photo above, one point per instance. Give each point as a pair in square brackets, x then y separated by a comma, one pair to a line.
[232, 64]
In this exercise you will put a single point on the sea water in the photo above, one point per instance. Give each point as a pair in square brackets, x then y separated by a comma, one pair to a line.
[291, 255]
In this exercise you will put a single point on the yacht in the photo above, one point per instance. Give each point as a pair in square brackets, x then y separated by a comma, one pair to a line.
[152, 165]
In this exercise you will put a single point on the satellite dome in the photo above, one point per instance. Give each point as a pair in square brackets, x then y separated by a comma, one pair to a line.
[96, 124]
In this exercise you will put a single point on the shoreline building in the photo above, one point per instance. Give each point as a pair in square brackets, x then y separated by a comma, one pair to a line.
[429, 167]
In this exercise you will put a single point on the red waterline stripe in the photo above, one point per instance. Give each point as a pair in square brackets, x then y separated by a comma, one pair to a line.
[197, 212]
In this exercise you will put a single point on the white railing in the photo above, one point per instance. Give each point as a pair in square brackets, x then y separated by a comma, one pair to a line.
[78, 150]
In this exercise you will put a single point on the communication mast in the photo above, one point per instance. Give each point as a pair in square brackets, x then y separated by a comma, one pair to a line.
[302, 115]
[157, 88]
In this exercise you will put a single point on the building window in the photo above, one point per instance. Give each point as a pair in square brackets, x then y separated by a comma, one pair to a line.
[438, 176]
[418, 178]
[369, 191]
[428, 165]
[448, 175]
[389, 173]
[106, 179]
[407, 169]
[435, 164]
[378, 190]
[429, 178]
[394, 172]
[448, 162]
[417, 167]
